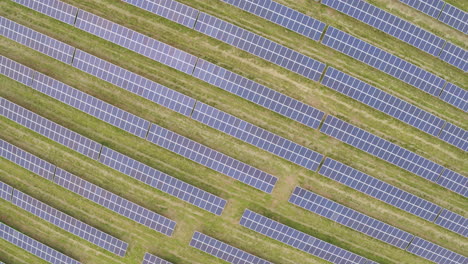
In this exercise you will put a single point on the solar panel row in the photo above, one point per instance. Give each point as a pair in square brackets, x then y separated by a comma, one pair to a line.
[435, 253]
[6, 191]
[53, 8]
[454, 181]
[455, 18]
[429, 7]
[453, 221]
[152, 259]
[455, 55]
[455, 96]
[455, 135]
[16, 71]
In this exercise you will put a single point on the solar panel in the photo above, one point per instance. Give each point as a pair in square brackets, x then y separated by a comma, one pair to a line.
[27, 160]
[169, 9]
[435, 253]
[53, 8]
[69, 224]
[378, 189]
[259, 46]
[455, 96]
[152, 259]
[257, 136]
[350, 218]
[428, 7]
[91, 105]
[211, 158]
[454, 181]
[381, 148]
[455, 55]
[283, 16]
[223, 251]
[16, 71]
[453, 221]
[6, 191]
[455, 135]
[33, 246]
[49, 129]
[134, 83]
[37, 41]
[259, 94]
[297, 239]
[455, 18]
[383, 61]
[382, 101]
[388, 23]
[162, 181]
[136, 42]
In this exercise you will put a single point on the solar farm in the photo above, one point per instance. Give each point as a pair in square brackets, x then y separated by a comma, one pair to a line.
[233, 131]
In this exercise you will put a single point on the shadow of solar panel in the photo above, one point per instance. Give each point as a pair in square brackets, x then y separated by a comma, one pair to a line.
[49, 129]
[36, 41]
[169, 9]
[223, 251]
[136, 42]
[453, 221]
[259, 94]
[283, 16]
[455, 135]
[33, 246]
[388, 23]
[162, 181]
[69, 224]
[16, 71]
[297, 239]
[133, 83]
[455, 96]
[435, 253]
[6, 191]
[211, 158]
[383, 61]
[454, 181]
[350, 218]
[381, 148]
[455, 55]
[114, 202]
[259, 46]
[27, 160]
[257, 136]
[428, 7]
[152, 259]
[455, 18]
[382, 101]
[379, 189]
[53, 8]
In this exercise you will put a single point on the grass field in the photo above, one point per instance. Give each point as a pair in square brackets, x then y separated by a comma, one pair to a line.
[239, 196]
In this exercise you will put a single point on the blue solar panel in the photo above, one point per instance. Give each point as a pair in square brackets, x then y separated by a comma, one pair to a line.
[455, 96]
[297, 239]
[53, 8]
[26, 160]
[211, 158]
[257, 136]
[259, 94]
[69, 224]
[49, 129]
[33, 246]
[16, 71]
[6, 191]
[152, 259]
[455, 135]
[455, 55]
[453, 221]
[162, 181]
[169, 9]
[223, 251]
[381, 148]
[384, 61]
[259, 46]
[388, 23]
[136, 42]
[435, 253]
[283, 16]
[37, 41]
[134, 83]
[382, 101]
[455, 18]
[454, 181]
[429, 7]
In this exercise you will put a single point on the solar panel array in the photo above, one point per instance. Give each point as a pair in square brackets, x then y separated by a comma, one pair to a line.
[259, 46]
[455, 96]
[33, 246]
[455, 135]
[283, 16]
[16, 71]
[454, 181]
[455, 55]
[381, 148]
[211, 158]
[453, 221]
[297, 239]
[382, 101]
[152, 259]
[455, 18]
[114, 202]
[69, 224]
[53, 8]
[435, 253]
[389, 24]
[35, 40]
[350, 218]
[429, 7]
[49, 129]
[6, 191]
[384, 61]
[259, 94]
[257, 136]
[162, 181]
